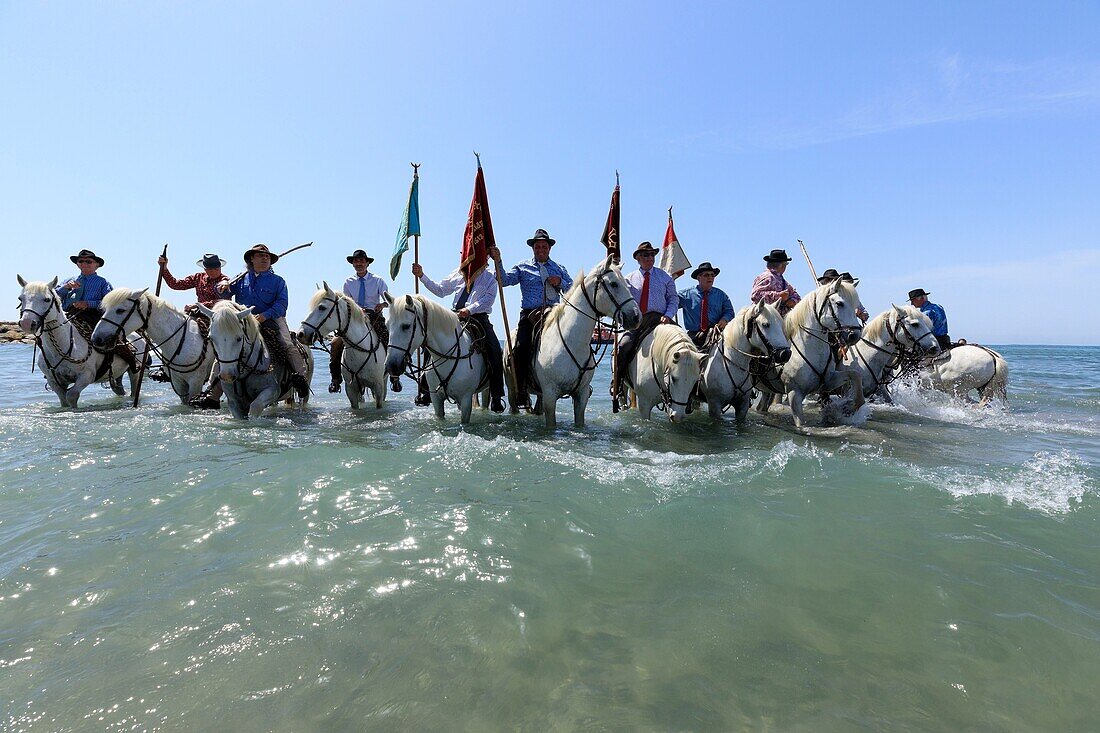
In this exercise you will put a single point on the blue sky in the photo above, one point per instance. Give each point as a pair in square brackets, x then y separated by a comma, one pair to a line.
[950, 146]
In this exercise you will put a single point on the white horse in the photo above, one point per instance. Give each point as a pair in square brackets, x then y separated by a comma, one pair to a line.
[183, 348]
[888, 339]
[824, 320]
[566, 361]
[752, 342]
[968, 367]
[68, 360]
[455, 370]
[252, 382]
[665, 371]
[364, 360]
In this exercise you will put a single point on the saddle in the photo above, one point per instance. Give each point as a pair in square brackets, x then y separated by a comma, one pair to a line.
[275, 348]
[84, 323]
[477, 336]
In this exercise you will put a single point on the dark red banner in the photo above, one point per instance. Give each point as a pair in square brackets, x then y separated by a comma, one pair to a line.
[479, 232]
[610, 236]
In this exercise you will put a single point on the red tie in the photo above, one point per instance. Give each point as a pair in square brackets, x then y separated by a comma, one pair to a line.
[645, 292]
[704, 322]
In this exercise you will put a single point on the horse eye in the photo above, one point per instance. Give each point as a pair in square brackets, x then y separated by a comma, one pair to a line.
[405, 327]
[674, 380]
[324, 308]
[614, 285]
[239, 339]
[840, 304]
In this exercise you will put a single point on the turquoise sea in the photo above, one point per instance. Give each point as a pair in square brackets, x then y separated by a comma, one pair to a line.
[929, 567]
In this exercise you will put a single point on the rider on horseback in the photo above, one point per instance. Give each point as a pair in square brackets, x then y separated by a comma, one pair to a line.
[541, 281]
[919, 298]
[473, 303]
[771, 287]
[705, 305]
[368, 291]
[81, 297]
[266, 293]
[655, 291]
[205, 283]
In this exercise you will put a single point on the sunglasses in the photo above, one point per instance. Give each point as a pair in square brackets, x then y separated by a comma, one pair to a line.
[85, 262]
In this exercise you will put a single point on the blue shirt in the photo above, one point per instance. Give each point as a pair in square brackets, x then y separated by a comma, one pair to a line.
[663, 297]
[532, 282]
[92, 289]
[939, 318]
[719, 307]
[265, 292]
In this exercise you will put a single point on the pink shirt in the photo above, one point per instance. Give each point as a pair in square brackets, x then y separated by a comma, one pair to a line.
[768, 286]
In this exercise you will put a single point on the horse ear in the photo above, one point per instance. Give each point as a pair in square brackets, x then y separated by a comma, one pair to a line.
[900, 311]
[208, 312]
[758, 308]
[143, 292]
[53, 283]
[328, 290]
[387, 297]
[242, 315]
[21, 281]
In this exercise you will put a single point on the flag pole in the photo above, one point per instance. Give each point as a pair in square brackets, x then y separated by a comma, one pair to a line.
[806, 254]
[416, 257]
[615, 338]
[145, 354]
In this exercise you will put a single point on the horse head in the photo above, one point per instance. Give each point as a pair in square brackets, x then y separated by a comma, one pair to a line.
[230, 329]
[765, 333]
[406, 333]
[682, 373]
[121, 316]
[913, 331]
[613, 298]
[323, 306]
[37, 302]
[837, 312]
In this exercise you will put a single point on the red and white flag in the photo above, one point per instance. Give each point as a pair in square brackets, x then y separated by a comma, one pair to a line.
[673, 259]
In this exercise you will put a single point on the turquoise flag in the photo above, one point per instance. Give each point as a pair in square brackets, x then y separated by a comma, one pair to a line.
[410, 225]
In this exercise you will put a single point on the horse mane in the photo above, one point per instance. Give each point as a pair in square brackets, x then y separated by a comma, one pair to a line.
[224, 309]
[669, 337]
[804, 311]
[873, 329]
[432, 310]
[120, 295]
[356, 312]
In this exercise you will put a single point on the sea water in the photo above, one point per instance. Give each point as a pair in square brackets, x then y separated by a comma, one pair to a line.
[926, 566]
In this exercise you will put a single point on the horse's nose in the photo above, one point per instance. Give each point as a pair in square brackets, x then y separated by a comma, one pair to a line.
[631, 318]
[99, 340]
[395, 365]
[851, 336]
[933, 350]
[675, 416]
[27, 324]
[781, 356]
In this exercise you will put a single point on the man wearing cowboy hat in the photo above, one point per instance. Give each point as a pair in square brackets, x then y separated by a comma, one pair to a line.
[831, 275]
[919, 298]
[367, 290]
[541, 282]
[204, 283]
[475, 303]
[265, 292]
[655, 291]
[704, 305]
[771, 287]
[81, 295]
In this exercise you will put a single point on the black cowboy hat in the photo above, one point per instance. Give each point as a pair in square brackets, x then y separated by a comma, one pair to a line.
[211, 261]
[541, 235]
[705, 267]
[259, 248]
[776, 257]
[849, 278]
[917, 293]
[360, 253]
[86, 254]
[647, 249]
[828, 276]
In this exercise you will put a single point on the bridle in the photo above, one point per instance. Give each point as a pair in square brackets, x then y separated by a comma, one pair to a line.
[896, 357]
[64, 355]
[245, 366]
[758, 364]
[169, 363]
[453, 355]
[831, 338]
[342, 327]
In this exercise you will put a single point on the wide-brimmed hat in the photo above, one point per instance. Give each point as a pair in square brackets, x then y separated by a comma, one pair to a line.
[86, 254]
[849, 278]
[776, 257]
[360, 253]
[917, 293]
[705, 267]
[211, 261]
[259, 248]
[541, 235]
[645, 248]
[828, 276]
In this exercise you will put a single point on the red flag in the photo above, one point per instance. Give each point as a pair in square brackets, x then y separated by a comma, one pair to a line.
[673, 259]
[610, 236]
[479, 232]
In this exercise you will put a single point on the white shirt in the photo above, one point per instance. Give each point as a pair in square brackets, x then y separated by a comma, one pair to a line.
[375, 286]
[481, 298]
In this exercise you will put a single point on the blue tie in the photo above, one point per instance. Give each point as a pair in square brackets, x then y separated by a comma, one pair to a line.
[461, 302]
[362, 293]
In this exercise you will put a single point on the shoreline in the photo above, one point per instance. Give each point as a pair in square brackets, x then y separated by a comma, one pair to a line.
[11, 333]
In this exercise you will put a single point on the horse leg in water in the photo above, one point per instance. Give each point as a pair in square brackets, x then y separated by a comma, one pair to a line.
[352, 389]
[437, 401]
[267, 397]
[794, 399]
[645, 407]
[237, 405]
[765, 402]
[72, 395]
[57, 387]
[379, 392]
[741, 405]
[466, 408]
[550, 408]
[580, 404]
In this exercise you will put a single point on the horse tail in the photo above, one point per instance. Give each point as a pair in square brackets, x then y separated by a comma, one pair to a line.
[1000, 378]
